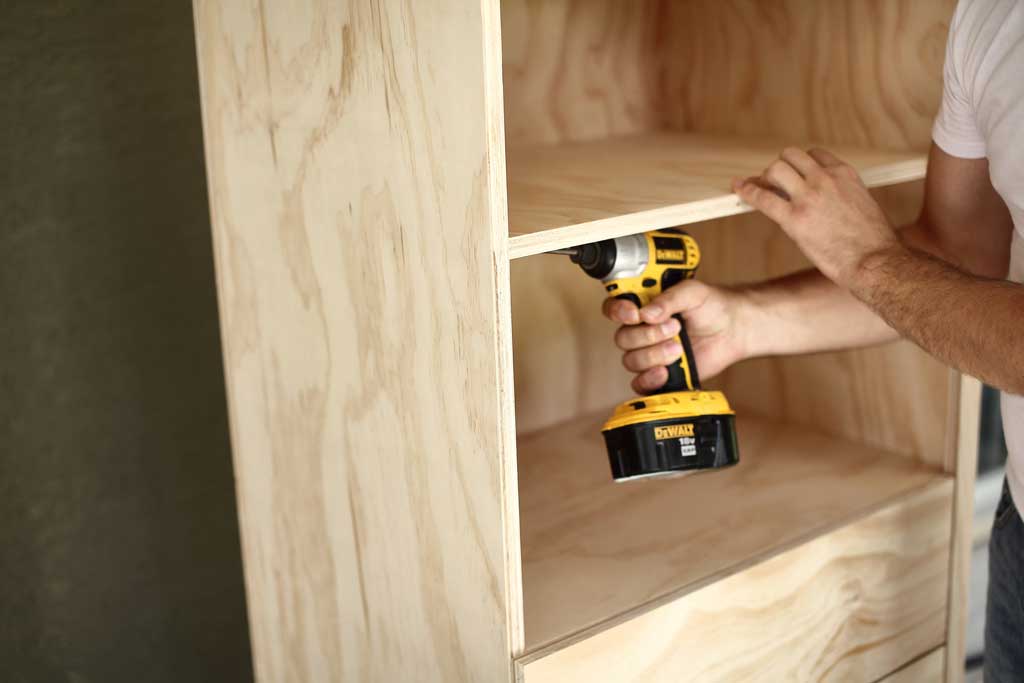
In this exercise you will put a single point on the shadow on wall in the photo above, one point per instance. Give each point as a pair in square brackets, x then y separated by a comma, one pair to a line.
[120, 555]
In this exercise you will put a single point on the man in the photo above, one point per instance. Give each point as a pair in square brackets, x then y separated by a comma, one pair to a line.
[940, 282]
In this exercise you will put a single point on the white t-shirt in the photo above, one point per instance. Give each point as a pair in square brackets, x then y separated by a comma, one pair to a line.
[982, 115]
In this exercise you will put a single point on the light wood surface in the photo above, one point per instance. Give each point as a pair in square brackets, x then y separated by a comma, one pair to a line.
[851, 605]
[865, 73]
[354, 162]
[962, 526]
[572, 193]
[580, 69]
[593, 550]
[927, 669]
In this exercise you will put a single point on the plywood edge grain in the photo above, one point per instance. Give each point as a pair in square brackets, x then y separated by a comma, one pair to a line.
[495, 121]
[961, 527]
[727, 204]
[925, 669]
[881, 579]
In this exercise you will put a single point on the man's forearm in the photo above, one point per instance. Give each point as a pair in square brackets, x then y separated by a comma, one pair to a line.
[805, 313]
[972, 323]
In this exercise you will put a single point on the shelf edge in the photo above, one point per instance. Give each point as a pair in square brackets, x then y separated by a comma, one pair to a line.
[529, 244]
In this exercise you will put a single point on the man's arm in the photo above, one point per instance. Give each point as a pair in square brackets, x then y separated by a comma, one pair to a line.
[963, 221]
[956, 308]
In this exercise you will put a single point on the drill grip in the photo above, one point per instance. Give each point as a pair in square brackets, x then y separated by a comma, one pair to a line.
[677, 372]
[682, 374]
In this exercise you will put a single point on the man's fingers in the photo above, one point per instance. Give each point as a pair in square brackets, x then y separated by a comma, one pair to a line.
[651, 380]
[824, 157]
[621, 311]
[683, 297]
[803, 162]
[651, 357]
[783, 176]
[630, 337]
[765, 201]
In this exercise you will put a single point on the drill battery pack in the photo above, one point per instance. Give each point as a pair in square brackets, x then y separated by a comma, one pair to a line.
[671, 434]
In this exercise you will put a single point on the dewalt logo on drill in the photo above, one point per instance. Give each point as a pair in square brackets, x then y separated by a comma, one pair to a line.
[670, 256]
[673, 431]
[669, 250]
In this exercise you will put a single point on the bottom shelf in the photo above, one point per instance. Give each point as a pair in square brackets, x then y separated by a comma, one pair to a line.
[595, 552]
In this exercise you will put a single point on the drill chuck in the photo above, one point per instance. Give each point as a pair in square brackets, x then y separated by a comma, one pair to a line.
[597, 259]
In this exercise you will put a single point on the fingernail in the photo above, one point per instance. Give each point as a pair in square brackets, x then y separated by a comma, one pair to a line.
[675, 349]
[670, 327]
[653, 310]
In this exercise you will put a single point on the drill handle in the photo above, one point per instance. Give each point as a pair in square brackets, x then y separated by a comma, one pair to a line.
[682, 374]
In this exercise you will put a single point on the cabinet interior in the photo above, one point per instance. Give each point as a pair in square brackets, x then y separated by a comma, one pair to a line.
[622, 117]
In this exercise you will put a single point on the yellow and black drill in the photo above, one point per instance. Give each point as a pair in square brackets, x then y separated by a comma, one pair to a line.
[680, 428]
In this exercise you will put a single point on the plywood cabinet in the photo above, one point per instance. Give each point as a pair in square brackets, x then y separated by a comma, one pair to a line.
[416, 390]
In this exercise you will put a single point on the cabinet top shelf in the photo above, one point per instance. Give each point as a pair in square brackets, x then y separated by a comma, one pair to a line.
[566, 194]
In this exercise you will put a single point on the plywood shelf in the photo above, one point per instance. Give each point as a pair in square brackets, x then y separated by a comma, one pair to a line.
[570, 193]
[596, 553]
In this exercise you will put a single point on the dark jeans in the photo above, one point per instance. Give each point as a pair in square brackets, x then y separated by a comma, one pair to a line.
[1004, 613]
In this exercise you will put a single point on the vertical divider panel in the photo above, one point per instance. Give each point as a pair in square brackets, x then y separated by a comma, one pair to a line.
[965, 467]
[355, 166]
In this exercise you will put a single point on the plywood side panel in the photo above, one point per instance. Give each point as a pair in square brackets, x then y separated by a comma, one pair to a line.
[565, 362]
[852, 605]
[354, 158]
[580, 69]
[862, 73]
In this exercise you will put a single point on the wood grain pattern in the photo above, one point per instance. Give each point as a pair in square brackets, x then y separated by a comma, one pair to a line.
[354, 154]
[865, 73]
[926, 669]
[851, 605]
[572, 193]
[962, 526]
[580, 69]
[583, 533]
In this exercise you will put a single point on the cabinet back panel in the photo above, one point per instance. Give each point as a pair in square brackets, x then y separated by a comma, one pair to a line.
[579, 69]
[894, 396]
[864, 72]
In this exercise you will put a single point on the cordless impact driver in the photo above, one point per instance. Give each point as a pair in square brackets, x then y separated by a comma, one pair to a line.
[680, 428]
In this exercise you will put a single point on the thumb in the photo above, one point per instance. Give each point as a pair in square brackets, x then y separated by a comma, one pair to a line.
[680, 298]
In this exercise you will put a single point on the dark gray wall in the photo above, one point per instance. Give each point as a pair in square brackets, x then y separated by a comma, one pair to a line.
[119, 552]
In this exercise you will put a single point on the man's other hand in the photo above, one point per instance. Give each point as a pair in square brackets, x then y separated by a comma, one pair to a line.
[823, 205]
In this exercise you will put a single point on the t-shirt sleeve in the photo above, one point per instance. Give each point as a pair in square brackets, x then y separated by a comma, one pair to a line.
[956, 127]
